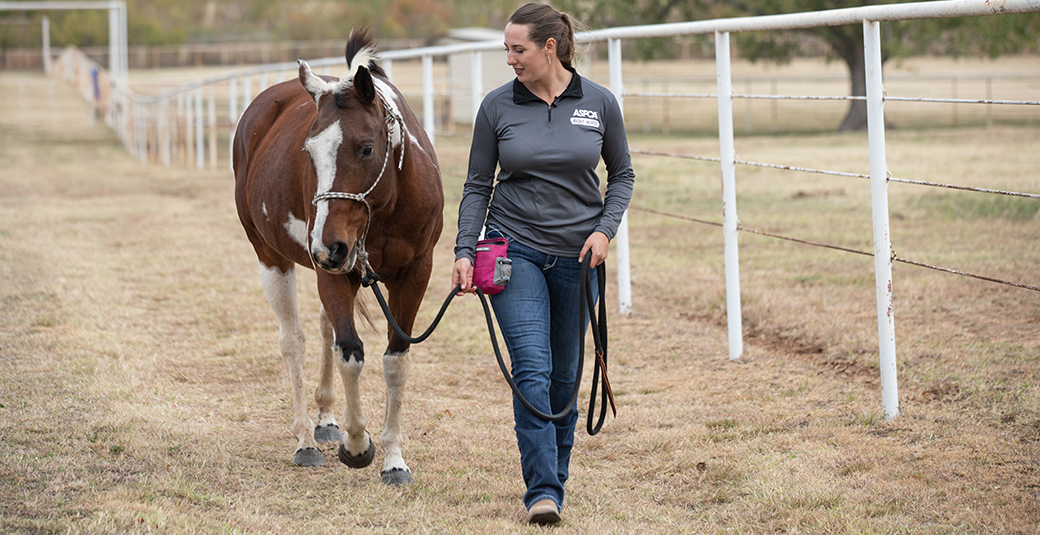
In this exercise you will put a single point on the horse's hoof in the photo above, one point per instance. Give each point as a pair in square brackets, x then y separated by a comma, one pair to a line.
[357, 461]
[397, 476]
[326, 434]
[308, 457]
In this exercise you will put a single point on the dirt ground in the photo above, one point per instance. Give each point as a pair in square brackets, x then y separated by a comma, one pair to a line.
[141, 389]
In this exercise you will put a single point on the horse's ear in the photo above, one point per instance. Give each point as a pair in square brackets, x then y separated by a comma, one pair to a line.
[364, 87]
[311, 82]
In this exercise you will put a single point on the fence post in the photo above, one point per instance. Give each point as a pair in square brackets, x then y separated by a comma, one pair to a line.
[233, 119]
[189, 127]
[124, 47]
[476, 68]
[247, 92]
[164, 132]
[212, 105]
[113, 44]
[46, 29]
[429, 120]
[879, 210]
[200, 138]
[180, 136]
[624, 263]
[141, 112]
[728, 157]
[133, 140]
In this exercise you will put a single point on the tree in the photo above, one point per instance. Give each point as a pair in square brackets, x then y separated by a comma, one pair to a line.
[845, 42]
[974, 36]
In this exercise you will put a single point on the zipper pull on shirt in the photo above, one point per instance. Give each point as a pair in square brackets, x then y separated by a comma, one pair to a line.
[553, 105]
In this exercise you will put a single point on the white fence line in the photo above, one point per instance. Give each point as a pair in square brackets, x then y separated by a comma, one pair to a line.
[166, 138]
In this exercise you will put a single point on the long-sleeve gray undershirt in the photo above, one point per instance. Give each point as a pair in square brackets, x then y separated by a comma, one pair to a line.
[548, 193]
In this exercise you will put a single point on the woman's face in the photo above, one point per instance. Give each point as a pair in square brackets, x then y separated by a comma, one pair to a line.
[528, 60]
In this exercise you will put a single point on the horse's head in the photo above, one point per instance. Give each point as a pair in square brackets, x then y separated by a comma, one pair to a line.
[351, 145]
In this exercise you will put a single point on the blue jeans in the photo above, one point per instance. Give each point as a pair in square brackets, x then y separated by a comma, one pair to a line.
[539, 318]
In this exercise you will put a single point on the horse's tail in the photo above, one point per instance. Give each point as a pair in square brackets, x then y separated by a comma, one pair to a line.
[362, 308]
[361, 52]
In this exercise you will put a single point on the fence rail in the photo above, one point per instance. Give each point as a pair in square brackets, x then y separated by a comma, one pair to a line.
[174, 124]
[238, 54]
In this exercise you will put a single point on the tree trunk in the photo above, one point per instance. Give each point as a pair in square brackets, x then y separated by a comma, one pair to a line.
[856, 117]
[847, 43]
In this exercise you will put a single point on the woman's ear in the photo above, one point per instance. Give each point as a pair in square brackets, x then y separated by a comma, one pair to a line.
[550, 46]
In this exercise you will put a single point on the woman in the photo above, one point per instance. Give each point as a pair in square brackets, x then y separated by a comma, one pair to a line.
[546, 132]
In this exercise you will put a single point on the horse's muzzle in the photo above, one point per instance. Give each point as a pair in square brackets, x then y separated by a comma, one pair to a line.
[338, 259]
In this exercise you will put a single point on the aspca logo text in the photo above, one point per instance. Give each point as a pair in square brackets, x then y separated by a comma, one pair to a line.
[585, 118]
[587, 114]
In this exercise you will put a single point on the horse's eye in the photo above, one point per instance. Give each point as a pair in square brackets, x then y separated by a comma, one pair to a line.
[366, 152]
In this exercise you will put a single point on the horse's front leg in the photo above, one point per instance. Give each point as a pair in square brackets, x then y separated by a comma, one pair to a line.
[280, 289]
[395, 372]
[337, 293]
[404, 300]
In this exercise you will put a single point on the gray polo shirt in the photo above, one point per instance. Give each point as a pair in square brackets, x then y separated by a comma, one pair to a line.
[548, 194]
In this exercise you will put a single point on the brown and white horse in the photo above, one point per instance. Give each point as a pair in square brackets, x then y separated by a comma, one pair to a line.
[339, 176]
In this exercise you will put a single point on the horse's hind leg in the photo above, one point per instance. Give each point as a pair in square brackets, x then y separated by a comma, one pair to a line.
[327, 431]
[280, 288]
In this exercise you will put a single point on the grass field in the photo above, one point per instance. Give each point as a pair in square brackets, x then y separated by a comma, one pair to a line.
[141, 388]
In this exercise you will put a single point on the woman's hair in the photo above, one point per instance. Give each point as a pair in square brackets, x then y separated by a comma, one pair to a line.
[544, 22]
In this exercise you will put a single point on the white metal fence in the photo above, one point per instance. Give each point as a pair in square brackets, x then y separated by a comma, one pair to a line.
[182, 125]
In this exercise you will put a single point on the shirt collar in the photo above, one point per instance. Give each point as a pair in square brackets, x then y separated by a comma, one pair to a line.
[522, 95]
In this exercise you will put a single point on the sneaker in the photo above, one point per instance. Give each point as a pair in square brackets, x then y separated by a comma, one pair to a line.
[543, 512]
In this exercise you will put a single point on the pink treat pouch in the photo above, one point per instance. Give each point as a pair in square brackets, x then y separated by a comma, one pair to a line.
[491, 269]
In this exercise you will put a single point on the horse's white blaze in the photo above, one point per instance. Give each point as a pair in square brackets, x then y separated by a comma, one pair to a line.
[297, 230]
[395, 372]
[322, 149]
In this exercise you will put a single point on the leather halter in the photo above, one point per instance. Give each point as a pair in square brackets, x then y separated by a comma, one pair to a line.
[392, 119]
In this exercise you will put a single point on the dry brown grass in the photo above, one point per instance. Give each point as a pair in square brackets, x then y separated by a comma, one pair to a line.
[141, 388]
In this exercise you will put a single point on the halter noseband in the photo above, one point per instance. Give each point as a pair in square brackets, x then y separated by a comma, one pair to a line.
[392, 119]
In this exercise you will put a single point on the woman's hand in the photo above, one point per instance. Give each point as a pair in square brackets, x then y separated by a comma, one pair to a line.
[598, 243]
[462, 275]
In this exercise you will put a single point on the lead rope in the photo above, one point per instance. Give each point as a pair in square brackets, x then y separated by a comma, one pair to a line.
[599, 336]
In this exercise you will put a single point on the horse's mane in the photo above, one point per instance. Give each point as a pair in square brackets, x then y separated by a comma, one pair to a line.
[361, 45]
